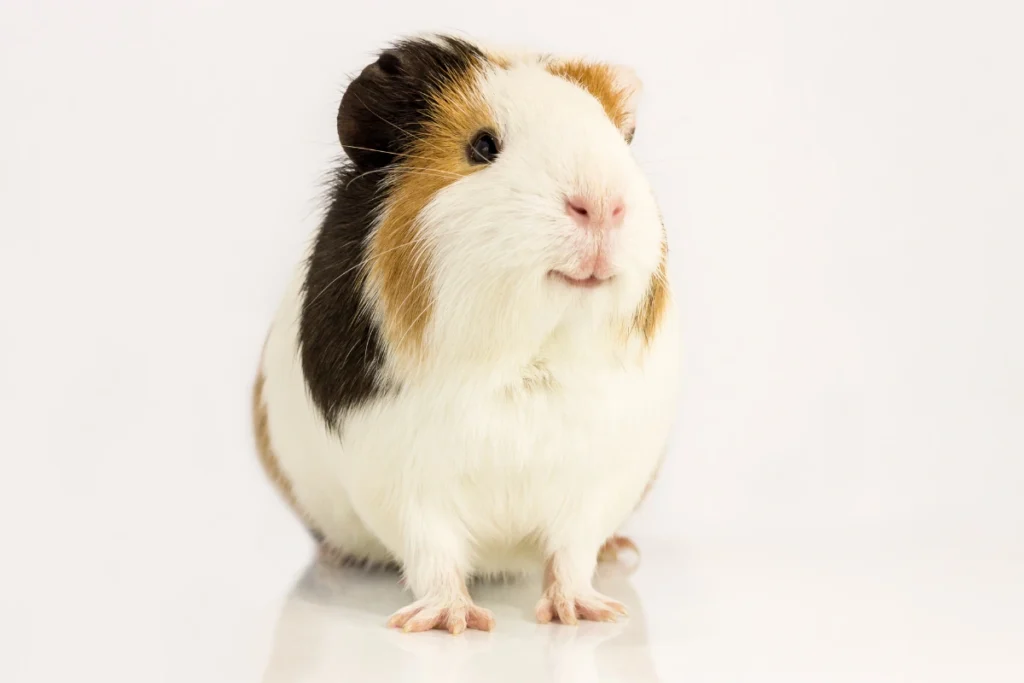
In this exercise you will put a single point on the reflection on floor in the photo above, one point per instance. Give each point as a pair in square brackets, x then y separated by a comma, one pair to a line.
[813, 608]
[332, 627]
[826, 607]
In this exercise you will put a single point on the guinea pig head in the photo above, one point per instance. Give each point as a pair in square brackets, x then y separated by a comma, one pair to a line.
[506, 194]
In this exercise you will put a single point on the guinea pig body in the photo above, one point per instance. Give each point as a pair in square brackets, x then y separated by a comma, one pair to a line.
[474, 371]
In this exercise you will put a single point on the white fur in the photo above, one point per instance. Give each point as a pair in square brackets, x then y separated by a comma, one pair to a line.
[468, 470]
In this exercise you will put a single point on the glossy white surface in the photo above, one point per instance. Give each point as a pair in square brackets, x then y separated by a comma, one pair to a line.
[834, 608]
[751, 611]
[841, 183]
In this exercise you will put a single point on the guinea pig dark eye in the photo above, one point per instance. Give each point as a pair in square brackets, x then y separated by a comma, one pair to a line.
[483, 149]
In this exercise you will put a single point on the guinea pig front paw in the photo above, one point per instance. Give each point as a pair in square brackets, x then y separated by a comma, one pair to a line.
[454, 615]
[569, 607]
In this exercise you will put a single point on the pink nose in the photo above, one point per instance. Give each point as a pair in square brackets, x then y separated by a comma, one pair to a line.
[597, 214]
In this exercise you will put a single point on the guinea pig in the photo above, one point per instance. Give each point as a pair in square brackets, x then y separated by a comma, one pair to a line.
[474, 370]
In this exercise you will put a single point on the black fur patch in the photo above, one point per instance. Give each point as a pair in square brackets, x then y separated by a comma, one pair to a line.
[340, 344]
[387, 104]
[382, 110]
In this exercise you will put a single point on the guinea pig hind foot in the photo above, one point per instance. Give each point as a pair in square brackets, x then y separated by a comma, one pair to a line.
[452, 613]
[613, 546]
[569, 597]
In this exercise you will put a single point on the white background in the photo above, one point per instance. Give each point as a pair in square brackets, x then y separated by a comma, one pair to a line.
[842, 183]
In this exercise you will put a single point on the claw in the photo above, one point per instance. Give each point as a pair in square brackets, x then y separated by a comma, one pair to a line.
[453, 616]
[556, 604]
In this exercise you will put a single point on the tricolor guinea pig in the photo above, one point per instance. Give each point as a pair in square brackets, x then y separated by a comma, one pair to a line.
[474, 369]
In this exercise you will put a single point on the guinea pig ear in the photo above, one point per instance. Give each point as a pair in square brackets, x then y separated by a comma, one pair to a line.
[370, 102]
[628, 83]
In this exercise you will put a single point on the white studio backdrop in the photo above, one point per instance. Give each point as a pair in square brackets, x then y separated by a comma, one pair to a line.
[841, 181]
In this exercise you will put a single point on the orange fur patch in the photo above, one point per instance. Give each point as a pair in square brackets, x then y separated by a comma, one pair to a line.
[266, 454]
[648, 315]
[329, 553]
[499, 60]
[609, 552]
[599, 80]
[399, 250]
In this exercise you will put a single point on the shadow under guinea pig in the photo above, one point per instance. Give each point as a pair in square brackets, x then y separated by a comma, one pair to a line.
[332, 628]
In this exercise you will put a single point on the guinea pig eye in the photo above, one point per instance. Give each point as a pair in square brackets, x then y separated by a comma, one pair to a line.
[483, 149]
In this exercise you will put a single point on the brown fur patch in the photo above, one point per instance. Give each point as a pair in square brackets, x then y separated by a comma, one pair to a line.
[399, 251]
[650, 485]
[599, 80]
[266, 454]
[327, 552]
[499, 60]
[650, 311]
[609, 552]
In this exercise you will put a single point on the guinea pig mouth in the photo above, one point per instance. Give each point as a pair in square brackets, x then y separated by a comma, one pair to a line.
[582, 283]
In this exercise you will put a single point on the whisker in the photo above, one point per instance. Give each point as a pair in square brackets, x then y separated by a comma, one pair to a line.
[401, 155]
[421, 251]
[412, 325]
[365, 262]
[421, 240]
[413, 170]
[436, 172]
[390, 123]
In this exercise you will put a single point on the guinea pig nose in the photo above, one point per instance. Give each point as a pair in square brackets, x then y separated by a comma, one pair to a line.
[578, 208]
[606, 212]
